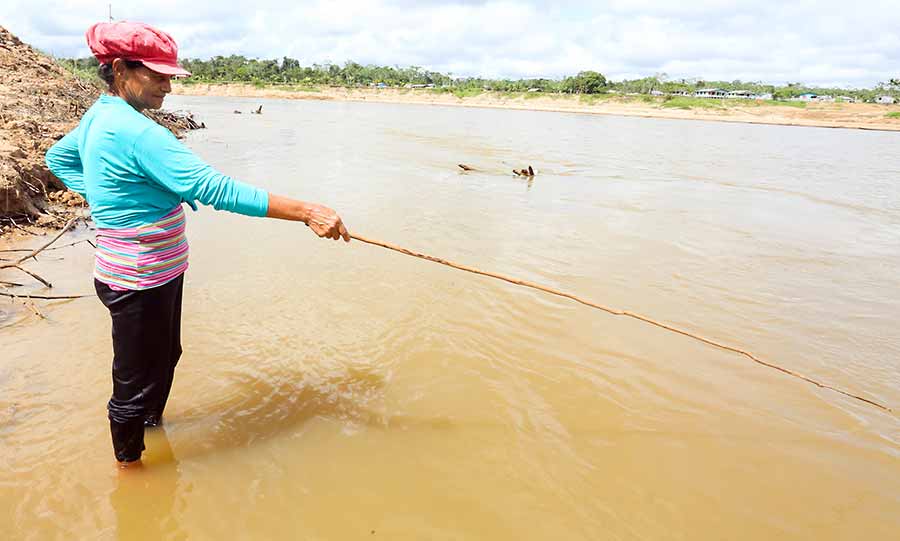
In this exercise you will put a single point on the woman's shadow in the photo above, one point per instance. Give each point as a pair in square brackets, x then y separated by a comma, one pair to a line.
[255, 407]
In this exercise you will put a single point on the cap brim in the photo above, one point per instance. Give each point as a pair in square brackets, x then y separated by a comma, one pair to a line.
[166, 69]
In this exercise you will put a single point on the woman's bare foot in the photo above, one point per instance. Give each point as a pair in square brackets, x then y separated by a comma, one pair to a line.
[131, 465]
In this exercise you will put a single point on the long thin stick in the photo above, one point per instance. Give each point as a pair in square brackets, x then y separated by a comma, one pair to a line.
[43, 247]
[60, 247]
[18, 263]
[615, 312]
[45, 297]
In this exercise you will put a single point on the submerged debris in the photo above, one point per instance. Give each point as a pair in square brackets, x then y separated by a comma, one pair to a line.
[179, 120]
[524, 172]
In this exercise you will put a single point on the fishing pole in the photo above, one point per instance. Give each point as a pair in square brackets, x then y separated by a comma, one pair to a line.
[615, 312]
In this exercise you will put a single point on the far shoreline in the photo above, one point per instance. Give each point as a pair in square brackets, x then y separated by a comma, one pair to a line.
[861, 116]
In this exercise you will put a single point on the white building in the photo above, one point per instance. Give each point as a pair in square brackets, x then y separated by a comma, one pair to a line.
[714, 93]
[740, 95]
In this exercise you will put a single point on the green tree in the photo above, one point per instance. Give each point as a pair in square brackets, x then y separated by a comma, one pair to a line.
[288, 70]
[586, 82]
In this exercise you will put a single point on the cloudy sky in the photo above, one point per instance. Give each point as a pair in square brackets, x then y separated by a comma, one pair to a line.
[830, 42]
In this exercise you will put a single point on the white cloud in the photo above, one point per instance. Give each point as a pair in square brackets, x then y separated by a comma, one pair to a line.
[819, 42]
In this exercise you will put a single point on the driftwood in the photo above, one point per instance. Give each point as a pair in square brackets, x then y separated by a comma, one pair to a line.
[51, 249]
[17, 264]
[44, 297]
[529, 172]
[176, 121]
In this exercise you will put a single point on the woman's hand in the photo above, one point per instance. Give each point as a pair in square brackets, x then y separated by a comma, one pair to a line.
[324, 221]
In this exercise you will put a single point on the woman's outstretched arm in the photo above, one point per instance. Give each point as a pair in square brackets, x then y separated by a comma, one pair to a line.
[167, 161]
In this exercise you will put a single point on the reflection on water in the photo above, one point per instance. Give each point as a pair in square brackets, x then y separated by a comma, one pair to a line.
[330, 390]
[144, 499]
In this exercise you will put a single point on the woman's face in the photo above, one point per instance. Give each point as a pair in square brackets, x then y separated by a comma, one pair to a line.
[141, 87]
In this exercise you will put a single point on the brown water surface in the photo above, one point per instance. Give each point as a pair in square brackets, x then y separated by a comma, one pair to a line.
[343, 391]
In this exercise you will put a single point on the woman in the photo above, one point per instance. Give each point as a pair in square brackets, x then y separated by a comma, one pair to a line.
[135, 175]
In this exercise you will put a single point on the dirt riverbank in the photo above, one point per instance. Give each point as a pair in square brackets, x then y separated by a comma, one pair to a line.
[825, 115]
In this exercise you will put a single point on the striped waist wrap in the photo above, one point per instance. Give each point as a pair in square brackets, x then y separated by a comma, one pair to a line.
[142, 257]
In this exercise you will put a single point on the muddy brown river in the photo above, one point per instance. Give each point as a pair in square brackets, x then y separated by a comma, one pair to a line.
[334, 391]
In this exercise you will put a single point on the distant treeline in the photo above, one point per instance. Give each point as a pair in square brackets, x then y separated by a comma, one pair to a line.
[237, 68]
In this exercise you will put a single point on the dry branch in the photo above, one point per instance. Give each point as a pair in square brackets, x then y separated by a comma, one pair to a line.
[18, 263]
[45, 297]
[13, 250]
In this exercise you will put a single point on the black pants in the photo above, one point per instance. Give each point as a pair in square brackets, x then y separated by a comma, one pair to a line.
[146, 333]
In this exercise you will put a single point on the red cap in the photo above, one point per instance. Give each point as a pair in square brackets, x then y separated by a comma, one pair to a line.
[135, 41]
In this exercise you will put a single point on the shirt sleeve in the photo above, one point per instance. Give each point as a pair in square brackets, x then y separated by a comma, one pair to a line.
[64, 161]
[168, 162]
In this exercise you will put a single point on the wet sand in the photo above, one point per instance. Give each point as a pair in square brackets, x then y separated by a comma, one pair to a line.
[824, 115]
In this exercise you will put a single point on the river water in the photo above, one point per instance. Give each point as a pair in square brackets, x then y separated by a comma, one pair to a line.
[343, 391]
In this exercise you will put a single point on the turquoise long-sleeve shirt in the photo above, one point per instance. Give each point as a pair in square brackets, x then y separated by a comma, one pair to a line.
[132, 171]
